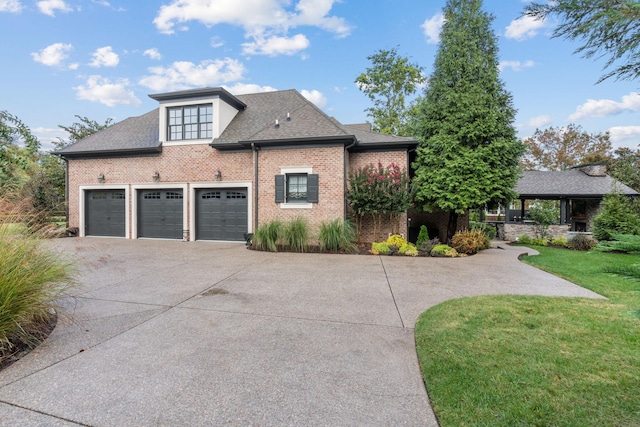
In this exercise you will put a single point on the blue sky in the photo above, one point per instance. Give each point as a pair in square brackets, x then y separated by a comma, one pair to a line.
[100, 59]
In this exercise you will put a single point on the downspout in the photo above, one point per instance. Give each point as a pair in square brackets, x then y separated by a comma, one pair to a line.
[409, 151]
[255, 186]
[345, 175]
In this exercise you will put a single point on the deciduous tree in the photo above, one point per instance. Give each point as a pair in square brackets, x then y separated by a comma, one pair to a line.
[625, 167]
[84, 128]
[606, 29]
[468, 153]
[388, 83]
[562, 148]
[18, 151]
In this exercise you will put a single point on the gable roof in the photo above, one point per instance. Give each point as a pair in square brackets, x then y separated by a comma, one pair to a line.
[568, 183]
[300, 122]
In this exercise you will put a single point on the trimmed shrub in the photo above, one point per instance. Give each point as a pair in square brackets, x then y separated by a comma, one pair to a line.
[443, 251]
[407, 247]
[423, 236]
[524, 239]
[266, 236]
[489, 230]
[581, 243]
[337, 235]
[559, 241]
[540, 241]
[380, 248]
[295, 235]
[470, 242]
[396, 240]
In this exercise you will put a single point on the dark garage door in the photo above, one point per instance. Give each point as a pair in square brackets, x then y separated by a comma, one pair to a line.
[104, 213]
[221, 214]
[160, 213]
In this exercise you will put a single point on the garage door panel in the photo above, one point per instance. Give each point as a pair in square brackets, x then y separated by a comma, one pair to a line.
[160, 214]
[105, 212]
[221, 214]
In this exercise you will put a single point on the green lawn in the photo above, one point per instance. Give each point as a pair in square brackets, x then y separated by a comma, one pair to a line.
[538, 361]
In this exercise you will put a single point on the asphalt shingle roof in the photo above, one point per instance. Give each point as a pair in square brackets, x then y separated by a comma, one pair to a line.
[573, 182]
[255, 123]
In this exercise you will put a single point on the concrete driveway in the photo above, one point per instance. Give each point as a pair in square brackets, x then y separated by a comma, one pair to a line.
[166, 333]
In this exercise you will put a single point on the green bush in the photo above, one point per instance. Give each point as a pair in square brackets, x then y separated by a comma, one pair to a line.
[540, 241]
[396, 240]
[406, 248]
[32, 279]
[616, 216]
[337, 235]
[295, 235]
[423, 235]
[380, 248]
[581, 243]
[543, 213]
[470, 242]
[489, 230]
[627, 243]
[559, 241]
[524, 239]
[443, 250]
[266, 236]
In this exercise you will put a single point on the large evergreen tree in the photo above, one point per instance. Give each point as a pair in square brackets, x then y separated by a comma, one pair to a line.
[469, 153]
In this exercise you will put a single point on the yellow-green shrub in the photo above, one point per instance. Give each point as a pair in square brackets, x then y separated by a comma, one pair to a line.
[470, 242]
[396, 240]
[381, 248]
[407, 247]
[443, 250]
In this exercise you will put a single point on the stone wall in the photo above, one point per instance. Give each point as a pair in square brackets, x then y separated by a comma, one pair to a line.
[510, 231]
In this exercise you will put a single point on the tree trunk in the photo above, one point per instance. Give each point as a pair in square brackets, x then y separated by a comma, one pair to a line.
[451, 227]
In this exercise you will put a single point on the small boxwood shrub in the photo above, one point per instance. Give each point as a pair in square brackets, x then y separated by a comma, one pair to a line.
[524, 239]
[559, 241]
[396, 240]
[380, 248]
[470, 242]
[443, 251]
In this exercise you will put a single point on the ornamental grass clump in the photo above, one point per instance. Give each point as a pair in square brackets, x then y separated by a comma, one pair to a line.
[442, 250]
[295, 235]
[266, 236]
[32, 279]
[337, 235]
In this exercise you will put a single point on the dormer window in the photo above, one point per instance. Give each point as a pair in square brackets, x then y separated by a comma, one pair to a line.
[190, 122]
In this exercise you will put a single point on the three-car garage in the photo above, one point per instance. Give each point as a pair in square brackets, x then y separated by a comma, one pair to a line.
[216, 213]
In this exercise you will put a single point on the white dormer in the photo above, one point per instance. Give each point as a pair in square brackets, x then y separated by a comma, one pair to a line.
[195, 116]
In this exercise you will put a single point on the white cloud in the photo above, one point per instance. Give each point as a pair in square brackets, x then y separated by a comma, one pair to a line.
[242, 88]
[274, 46]
[105, 57]
[153, 53]
[184, 74]
[216, 42]
[102, 90]
[625, 136]
[13, 6]
[431, 28]
[262, 20]
[539, 121]
[315, 96]
[515, 65]
[53, 55]
[607, 107]
[524, 28]
[48, 7]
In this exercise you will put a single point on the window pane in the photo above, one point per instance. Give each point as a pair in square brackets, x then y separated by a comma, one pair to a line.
[191, 131]
[190, 115]
[297, 188]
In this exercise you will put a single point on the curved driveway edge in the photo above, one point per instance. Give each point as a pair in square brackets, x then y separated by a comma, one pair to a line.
[169, 333]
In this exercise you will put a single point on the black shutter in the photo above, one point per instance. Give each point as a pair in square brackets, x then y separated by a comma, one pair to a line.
[280, 188]
[312, 188]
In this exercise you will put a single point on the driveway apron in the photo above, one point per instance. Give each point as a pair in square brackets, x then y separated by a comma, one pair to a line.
[170, 333]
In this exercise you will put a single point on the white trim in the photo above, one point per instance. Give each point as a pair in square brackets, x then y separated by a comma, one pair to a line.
[158, 186]
[290, 170]
[81, 205]
[219, 184]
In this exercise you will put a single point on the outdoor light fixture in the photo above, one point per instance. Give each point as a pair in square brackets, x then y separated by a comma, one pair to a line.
[277, 125]
[288, 117]
[156, 177]
[218, 175]
[101, 178]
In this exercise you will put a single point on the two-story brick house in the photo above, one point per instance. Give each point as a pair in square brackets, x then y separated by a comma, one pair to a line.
[208, 165]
